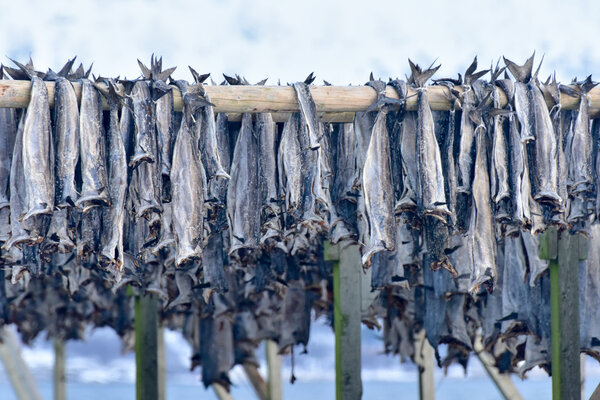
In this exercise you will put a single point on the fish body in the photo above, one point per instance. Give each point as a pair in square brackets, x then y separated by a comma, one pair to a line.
[187, 184]
[114, 215]
[38, 153]
[243, 193]
[66, 134]
[92, 147]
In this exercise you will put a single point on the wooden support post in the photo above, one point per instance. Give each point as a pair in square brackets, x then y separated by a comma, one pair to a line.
[424, 358]
[347, 319]
[274, 386]
[256, 379]
[582, 370]
[17, 371]
[221, 392]
[502, 381]
[146, 347]
[59, 376]
[162, 366]
[564, 252]
[596, 394]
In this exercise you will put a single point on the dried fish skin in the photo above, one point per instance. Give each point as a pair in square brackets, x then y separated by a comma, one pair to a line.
[580, 150]
[114, 216]
[60, 236]
[8, 133]
[378, 191]
[243, 193]
[408, 146]
[309, 112]
[499, 177]
[187, 184]
[207, 135]
[466, 143]
[343, 191]
[431, 187]
[165, 132]
[66, 136]
[94, 190]
[145, 124]
[266, 130]
[545, 167]
[482, 224]
[38, 153]
[20, 230]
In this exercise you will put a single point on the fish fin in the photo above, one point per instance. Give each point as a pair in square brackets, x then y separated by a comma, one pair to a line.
[27, 70]
[197, 77]
[371, 78]
[146, 72]
[66, 69]
[420, 77]
[587, 85]
[324, 82]
[310, 78]
[537, 71]
[471, 69]
[521, 73]
[231, 80]
[262, 83]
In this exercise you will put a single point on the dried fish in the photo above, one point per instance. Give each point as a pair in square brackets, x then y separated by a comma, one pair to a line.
[94, 190]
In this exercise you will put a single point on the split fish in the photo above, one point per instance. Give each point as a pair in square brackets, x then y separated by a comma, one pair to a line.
[114, 215]
[92, 147]
[187, 183]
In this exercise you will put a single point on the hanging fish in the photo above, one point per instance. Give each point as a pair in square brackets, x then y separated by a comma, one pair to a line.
[114, 215]
[66, 136]
[8, 133]
[92, 147]
[188, 181]
[38, 150]
[377, 183]
[467, 128]
[536, 125]
[207, 136]
[243, 193]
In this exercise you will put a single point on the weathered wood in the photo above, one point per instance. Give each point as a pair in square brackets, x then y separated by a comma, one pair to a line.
[17, 371]
[582, 370]
[221, 392]
[347, 319]
[162, 365]
[502, 381]
[424, 358]
[596, 394]
[258, 383]
[274, 383]
[237, 99]
[146, 347]
[59, 376]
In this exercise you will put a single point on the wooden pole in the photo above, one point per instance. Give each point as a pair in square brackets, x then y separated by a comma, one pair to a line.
[248, 99]
[582, 370]
[274, 386]
[146, 347]
[424, 355]
[59, 376]
[256, 379]
[564, 252]
[347, 319]
[221, 392]
[17, 371]
[502, 381]
[162, 366]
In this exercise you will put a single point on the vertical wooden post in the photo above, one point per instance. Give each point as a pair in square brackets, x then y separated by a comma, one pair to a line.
[582, 370]
[221, 392]
[17, 371]
[274, 387]
[146, 347]
[424, 360]
[564, 252]
[162, 367]
[59, 376]
[347, 319]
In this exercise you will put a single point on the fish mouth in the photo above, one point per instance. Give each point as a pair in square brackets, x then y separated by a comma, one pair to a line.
[39, 209]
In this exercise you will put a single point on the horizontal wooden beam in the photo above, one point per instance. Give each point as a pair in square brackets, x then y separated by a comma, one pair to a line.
[250, 99]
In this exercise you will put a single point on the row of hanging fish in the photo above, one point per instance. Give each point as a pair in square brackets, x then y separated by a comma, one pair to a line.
[228, 219]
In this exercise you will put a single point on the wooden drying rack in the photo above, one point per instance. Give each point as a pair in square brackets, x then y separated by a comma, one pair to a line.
[334, 103]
